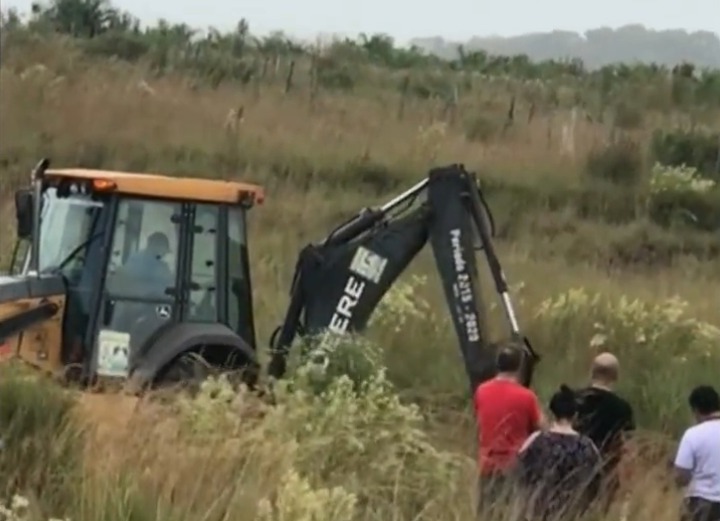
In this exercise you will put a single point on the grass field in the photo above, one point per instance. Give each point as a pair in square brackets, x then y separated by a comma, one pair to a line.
[589, 267]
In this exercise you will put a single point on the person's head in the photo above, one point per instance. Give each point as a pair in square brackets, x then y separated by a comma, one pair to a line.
[605, 369]
[158, 244]
[563, 404]
[704, 401]
[509, 359]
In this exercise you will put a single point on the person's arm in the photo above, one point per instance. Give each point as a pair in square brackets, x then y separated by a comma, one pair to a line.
[168, 277]
[626, 430]
[629, 425]
[523, 459]
[476, 402]
[529, 441]
[625, 447]
[684, 461]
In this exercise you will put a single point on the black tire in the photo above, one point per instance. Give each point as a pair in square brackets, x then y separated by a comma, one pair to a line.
[185, 373]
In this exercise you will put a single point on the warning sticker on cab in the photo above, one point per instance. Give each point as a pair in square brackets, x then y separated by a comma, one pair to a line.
[113, 353]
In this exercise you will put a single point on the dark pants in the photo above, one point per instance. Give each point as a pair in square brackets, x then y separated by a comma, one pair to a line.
[699, 509]
[495, 493]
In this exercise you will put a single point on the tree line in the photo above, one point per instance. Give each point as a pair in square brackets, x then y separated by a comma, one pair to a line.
[104, 30]
[597, 47]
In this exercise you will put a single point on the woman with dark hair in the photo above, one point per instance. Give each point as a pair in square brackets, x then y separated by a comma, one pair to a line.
[558, 468]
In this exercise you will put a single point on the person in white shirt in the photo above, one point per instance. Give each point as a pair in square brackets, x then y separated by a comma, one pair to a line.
[697, 462]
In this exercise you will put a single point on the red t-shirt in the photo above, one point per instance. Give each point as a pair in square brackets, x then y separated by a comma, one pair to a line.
[507, 413]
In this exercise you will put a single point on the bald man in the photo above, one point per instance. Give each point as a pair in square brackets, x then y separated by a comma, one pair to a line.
[605, 417]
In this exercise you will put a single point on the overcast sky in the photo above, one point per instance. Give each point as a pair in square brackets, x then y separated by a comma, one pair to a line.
[405, 19]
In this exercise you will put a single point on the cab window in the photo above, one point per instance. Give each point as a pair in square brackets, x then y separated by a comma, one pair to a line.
[239, 298]
[66, 226]
[204, 265]
[143, 259]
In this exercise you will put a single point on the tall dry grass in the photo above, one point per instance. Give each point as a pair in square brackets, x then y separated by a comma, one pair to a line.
[110, 113]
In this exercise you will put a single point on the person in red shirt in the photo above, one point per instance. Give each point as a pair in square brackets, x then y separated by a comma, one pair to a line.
[507, 413]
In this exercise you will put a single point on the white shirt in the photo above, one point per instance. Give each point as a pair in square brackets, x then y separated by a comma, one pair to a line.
[699, 452]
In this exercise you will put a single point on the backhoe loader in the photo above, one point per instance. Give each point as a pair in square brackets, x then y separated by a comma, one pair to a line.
[144, 279]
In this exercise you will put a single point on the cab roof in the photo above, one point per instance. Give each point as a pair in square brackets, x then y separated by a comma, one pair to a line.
[167, 187]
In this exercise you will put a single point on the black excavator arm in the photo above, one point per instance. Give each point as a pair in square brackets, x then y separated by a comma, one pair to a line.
[339, 281]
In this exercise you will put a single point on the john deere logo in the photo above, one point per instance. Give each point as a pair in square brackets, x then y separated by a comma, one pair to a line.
[163, 311]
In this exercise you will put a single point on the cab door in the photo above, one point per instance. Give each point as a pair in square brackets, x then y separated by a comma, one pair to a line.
[143, 286]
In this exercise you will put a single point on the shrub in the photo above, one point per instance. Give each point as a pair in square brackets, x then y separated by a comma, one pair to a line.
[361, 438]
[356, 356]
[644, 245]
[334, 75]
[126, 46]
[665, 351]
[620, 162]
[678, 179]
[401, 305]
[628, 117]
[700, 210]
[694, 149]
[42, 445]
[297, 500]
[481, 129]
[351, 356]
[213, 412]
[611, 203]
[680, 195]
[429, 86]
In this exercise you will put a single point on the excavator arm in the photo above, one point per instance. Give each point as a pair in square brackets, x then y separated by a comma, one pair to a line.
[339, 282]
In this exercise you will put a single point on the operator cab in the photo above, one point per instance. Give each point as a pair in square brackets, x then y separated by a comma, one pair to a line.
[137, 253]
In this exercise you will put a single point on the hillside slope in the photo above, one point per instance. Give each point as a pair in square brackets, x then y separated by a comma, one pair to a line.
[598, 47]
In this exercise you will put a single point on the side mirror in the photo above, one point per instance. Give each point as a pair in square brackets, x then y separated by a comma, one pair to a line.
[24, 213]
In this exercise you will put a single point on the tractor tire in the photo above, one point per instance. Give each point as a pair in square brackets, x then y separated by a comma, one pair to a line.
[184, 374]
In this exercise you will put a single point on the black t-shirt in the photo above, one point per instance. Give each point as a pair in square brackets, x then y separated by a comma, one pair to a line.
[604, 417]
